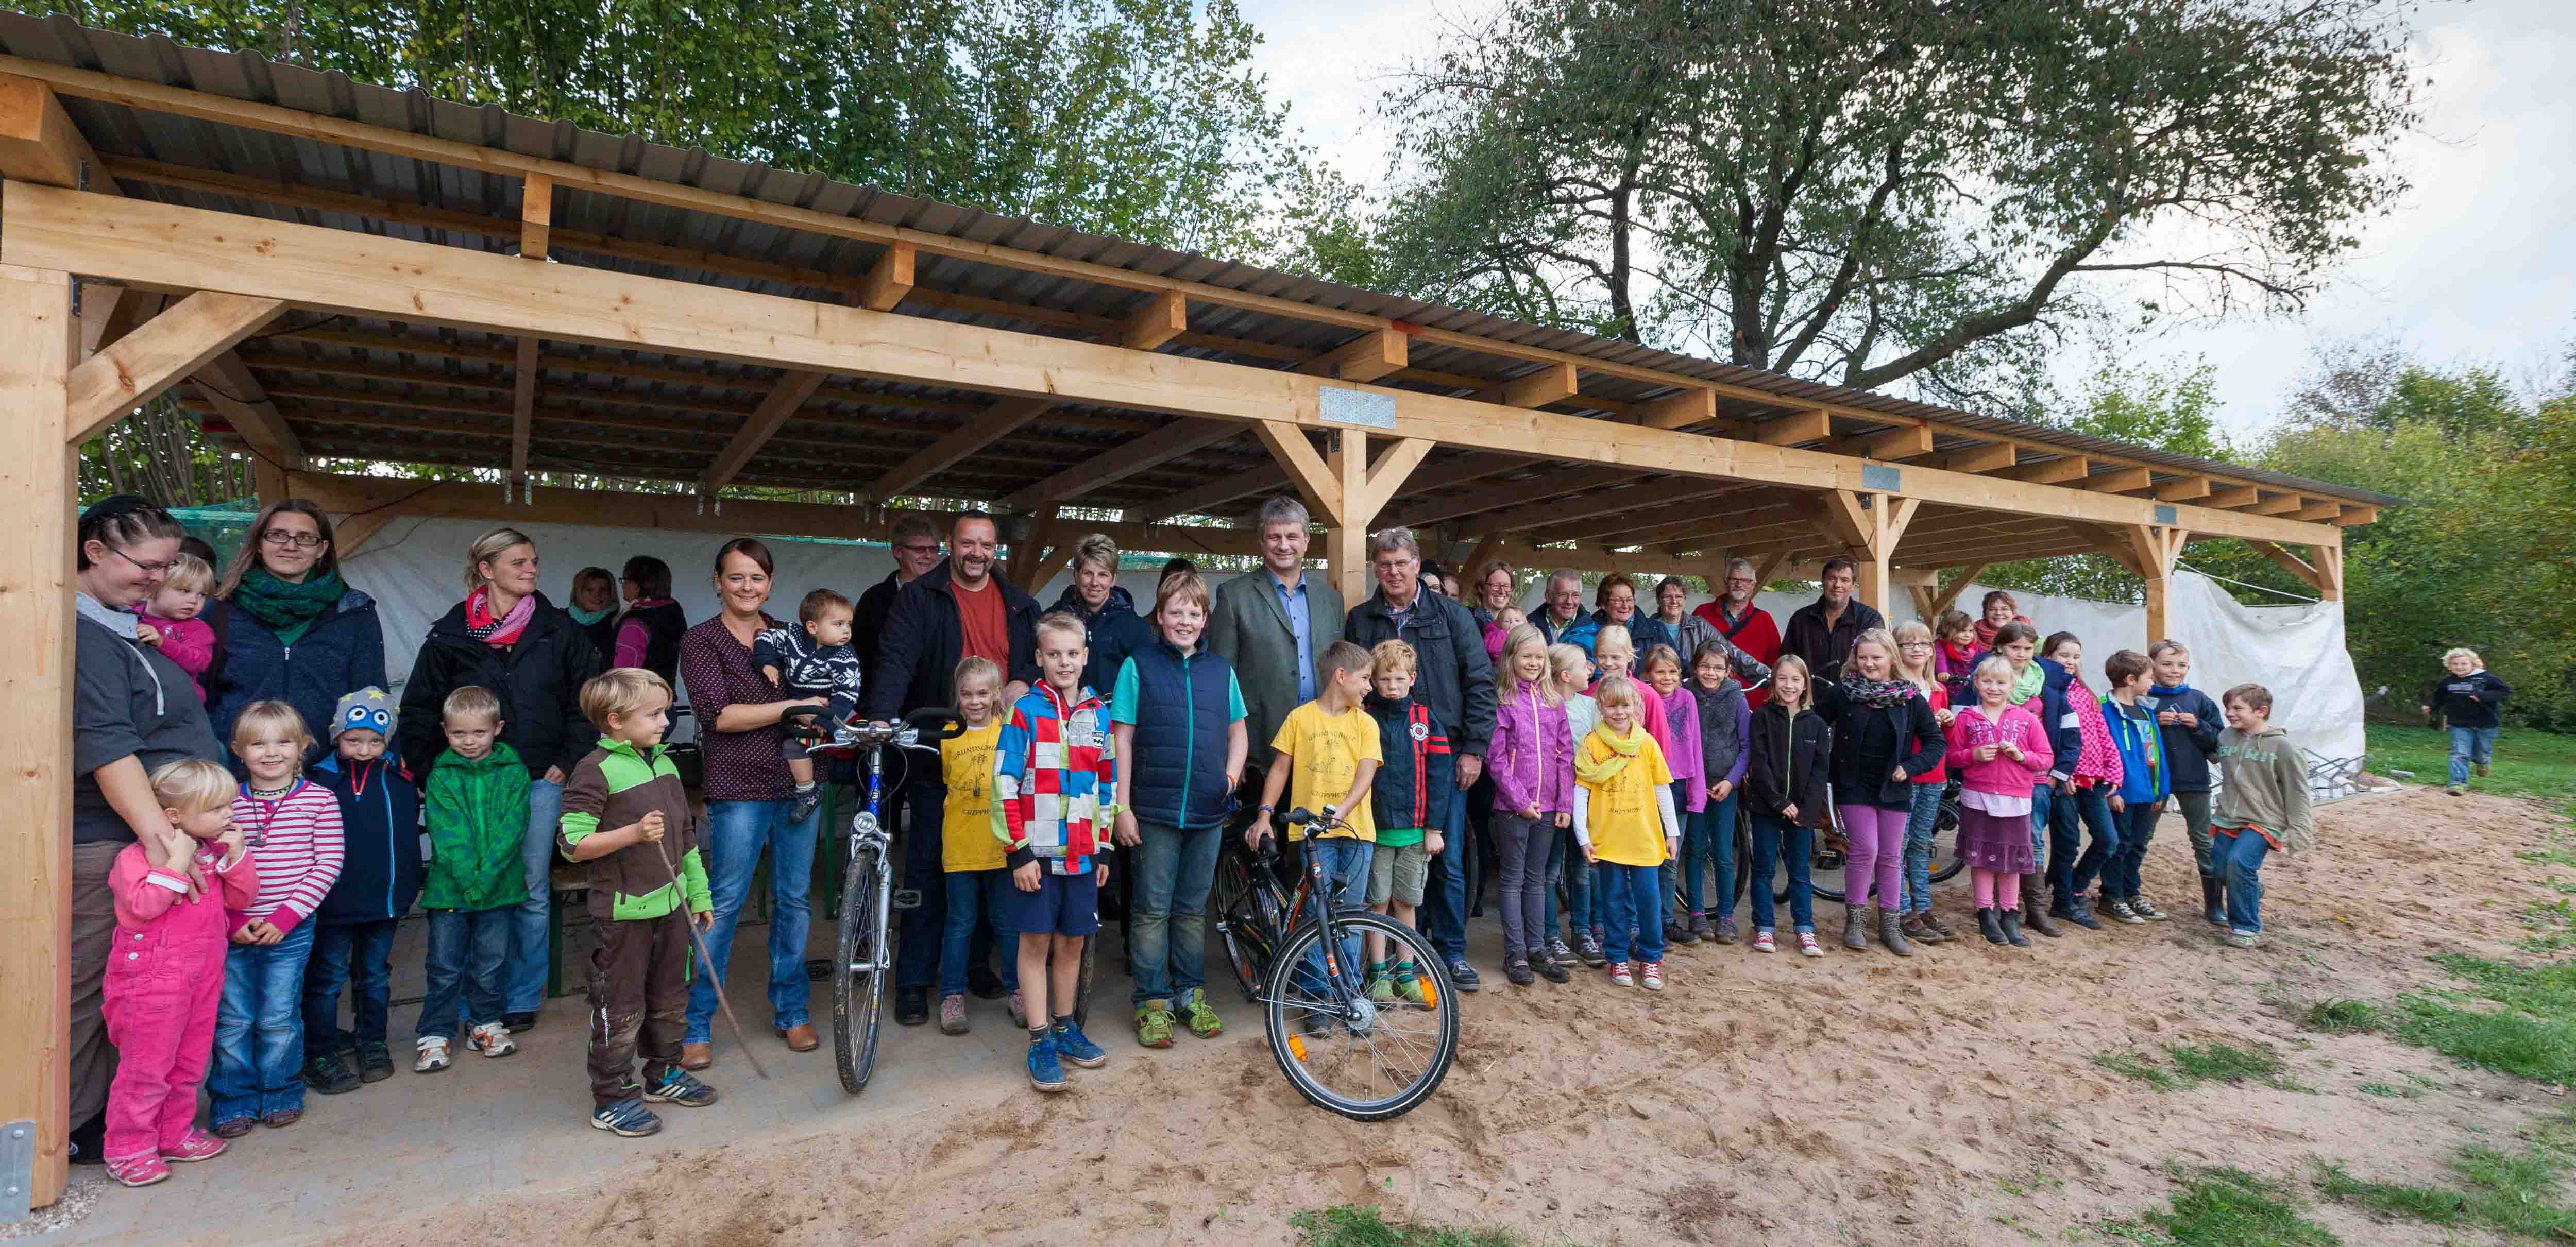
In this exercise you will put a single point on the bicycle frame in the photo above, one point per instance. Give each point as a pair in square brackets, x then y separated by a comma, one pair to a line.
[1343, 984]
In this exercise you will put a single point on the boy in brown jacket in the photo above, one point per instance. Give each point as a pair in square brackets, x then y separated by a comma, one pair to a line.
[625, 813]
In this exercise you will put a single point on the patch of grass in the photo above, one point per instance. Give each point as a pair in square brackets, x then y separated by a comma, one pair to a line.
[2224, 1207]
[2192, 1065]
[2510, 1192]
[2144, 1069]
[2387, 1092]
[2429, 1204]
[2530, 1030]
[2552, 925]
[2527, 763]
[1349, 1226]
[2342, 1017]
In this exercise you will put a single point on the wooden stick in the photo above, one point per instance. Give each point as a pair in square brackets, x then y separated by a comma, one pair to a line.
[709, 960]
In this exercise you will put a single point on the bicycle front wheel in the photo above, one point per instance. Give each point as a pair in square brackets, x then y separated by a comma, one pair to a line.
[1365, 1060]
[859, 966]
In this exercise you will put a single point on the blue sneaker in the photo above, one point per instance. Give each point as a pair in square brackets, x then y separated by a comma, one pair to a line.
[627, 1119]
[673, 1085]
[1045, 1072]
[1077, 1047]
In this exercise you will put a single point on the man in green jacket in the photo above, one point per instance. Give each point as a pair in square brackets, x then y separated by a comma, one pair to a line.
[477, 798]
[1273, 623]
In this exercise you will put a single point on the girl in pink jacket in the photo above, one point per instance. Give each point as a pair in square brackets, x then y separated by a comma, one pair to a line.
[166, 971]
[1999, 751]
[1532, 761]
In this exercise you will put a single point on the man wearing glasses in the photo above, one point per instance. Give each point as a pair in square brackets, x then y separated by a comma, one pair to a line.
[1748, 627]
[916, 550]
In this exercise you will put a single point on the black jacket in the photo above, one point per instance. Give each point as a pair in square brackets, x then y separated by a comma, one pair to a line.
[1825, 648]
[868, 621]
[1870, 742]
[1789, 762]
[2187, 749]
[1453, 674]
[2472, 700]
[1113, 632]
[537, 677]
[917, 655]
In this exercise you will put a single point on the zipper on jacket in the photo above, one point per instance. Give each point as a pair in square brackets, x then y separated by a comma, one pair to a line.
[1189, 743]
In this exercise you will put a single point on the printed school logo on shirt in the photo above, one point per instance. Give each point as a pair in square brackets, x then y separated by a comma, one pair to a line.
[966, 839]
[1324, 753]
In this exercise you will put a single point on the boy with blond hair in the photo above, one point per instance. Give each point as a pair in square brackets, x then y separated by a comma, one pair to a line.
[1055, 785]
[1416, 779]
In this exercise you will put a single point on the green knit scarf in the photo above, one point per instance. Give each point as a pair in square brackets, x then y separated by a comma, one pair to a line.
[287, 608]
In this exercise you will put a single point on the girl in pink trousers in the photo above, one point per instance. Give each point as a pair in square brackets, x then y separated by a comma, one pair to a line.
[166, 971]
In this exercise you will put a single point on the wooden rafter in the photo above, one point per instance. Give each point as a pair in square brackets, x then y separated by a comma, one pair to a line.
[1366, 358]
[1180, 437]
[781, 406]
[1215, 493]
[1679, 410]
[523, 406]
[1551, 383]
[2118, 481]
[1789, 430]
[1164, 317]
[2053, 472]
[979, 431]
[889, 280]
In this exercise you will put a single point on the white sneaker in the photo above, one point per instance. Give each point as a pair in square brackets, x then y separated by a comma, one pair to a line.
[491, 1039]
[433, 1056]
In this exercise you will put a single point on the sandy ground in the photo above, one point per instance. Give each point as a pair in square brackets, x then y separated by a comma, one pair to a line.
[1946, 1099]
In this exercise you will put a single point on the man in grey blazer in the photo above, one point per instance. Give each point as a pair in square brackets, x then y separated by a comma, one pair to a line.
[1272, 623]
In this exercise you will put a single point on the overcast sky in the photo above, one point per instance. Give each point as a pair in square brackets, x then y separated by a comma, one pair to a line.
[2477, 264]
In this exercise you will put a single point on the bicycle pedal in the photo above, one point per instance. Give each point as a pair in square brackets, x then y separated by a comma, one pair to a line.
[907, 898]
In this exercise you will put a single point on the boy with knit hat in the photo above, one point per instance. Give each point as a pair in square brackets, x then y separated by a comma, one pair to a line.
[380, 877]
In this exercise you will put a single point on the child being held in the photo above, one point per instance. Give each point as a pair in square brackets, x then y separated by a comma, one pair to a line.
[380, 877]
[1416, 780]
[978, 877]
[478, 815]
[2263, 808]
[1499, 629]
[160, 999]
[626, 813]
[293, 830]
[812, 659]
[1055, 787]
[1624, 819]
[170, 619]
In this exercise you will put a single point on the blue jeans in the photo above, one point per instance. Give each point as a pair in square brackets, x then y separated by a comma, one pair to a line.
[468, 952]
[361, 955]
[2069, 873]
[1346, 876]
[1710, 844]
[974, 898]
[1771, 839]
[2241, 857]
[1443, 916]
[1167, 930]
[1565, 862]
[523, 983]
[1633, 903]
[736, 833]
[2120, 879]
[2043, 798]
[259, 1028]
[2470, 744]
[1921, 826]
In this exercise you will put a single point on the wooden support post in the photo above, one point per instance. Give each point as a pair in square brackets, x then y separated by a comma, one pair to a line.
[1306, 470]
[37, 339]
[1361, 489]
[536, 216]
[2329, 572]
[1871, 525]
[2157, 549]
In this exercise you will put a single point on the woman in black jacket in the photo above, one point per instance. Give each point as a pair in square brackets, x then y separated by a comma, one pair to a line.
[1785, 772]
[505, 636]
[1884, 734]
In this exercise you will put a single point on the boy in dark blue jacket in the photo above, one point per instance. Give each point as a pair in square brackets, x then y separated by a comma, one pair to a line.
[380, 877]
[1410, 799]
[2470, 699]
[2188, 724]
[2145, 780]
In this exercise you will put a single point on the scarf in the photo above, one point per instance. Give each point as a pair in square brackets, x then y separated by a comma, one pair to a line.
[1986, 631]
[285, 608]
[1877, 694]
[1955, 660]
[587, 618]
[2161, 692]
[2028, 683]
[497, 633]
[1623, 750]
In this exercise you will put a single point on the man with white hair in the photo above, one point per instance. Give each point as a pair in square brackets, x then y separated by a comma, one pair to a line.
[1562, 617]
[1454, 677]
[1749, 628]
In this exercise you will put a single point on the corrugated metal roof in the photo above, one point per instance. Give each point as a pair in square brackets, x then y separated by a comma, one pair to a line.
[120, 131]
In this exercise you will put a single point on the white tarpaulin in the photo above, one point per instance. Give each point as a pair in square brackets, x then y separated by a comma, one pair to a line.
[414, 570]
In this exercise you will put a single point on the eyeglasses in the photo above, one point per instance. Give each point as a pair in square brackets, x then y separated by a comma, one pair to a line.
[931, 548]
[1914, 645]
[148, 569]
[290, 541]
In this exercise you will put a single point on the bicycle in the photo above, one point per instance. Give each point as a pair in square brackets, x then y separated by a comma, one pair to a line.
[1364, 1059]
[863, 954]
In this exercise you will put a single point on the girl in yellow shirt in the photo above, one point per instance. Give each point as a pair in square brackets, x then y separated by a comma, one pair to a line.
[1623, 818]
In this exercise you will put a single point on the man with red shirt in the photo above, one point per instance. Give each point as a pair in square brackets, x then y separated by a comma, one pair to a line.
[1750, 627]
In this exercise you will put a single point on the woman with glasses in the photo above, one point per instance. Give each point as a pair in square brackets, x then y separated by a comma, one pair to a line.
[292, 629]
[132, 713]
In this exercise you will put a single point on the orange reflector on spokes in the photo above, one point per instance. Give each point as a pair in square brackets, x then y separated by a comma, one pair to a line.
[1430, 992]
[1297, 1047]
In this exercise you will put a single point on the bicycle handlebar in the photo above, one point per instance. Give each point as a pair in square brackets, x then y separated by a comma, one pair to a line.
[921, 729]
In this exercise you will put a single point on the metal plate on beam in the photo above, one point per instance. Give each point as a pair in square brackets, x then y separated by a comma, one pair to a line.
[1882, 476]
[2168, 516]
[1356, 407]
[17, 1170]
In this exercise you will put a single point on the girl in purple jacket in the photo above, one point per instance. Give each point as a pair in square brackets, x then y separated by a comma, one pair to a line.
[1532, 761]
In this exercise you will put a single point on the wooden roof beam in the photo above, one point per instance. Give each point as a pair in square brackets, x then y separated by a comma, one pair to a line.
[1423, 512]
[1990, 457]
[2184, 490]
[1679, 410]
[536, 216]
[889, 280]
[1180, 437]
[2282, 504]
[138, 367]
[1812, 425]
[38, 141]
[1366, 358]
[2230, 497]
[2053, 472]
[1204, 499]
[2118, 481]
[2353, 515]
[991, 425]
[523, 404]
[784, 399]
[2319, 509]
[1164, 317]
[1552, 383]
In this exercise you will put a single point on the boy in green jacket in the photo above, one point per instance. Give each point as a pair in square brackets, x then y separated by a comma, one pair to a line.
[477, 798]
[625, 813]
[2263, 808]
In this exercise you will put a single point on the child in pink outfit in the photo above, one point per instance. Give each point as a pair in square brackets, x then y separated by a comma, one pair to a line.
[170, 619]
[166, 971]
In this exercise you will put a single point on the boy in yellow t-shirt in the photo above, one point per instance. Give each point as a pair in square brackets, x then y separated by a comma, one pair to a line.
[968, 852]
[1623, 818]
[1329, 748]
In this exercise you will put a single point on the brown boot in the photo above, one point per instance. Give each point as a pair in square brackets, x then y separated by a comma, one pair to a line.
[2034, 910]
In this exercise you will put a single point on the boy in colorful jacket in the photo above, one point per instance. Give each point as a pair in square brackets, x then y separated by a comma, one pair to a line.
[380, 878]
[1055, 786]
[1409, 797]
[625, 813]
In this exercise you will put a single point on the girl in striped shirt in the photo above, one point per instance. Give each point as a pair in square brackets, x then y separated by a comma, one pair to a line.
[292, 829]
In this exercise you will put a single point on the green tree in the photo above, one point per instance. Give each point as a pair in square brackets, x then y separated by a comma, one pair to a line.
[1869, 191]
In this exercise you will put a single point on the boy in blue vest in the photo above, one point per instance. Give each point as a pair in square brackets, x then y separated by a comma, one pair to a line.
[1410, 797]
[2146, 779]
[380, 873]
[1177, 714]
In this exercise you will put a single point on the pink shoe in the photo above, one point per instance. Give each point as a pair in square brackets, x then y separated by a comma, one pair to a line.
[1619, 976]
[141, 1170]
[199, 1145]
[1763, 943]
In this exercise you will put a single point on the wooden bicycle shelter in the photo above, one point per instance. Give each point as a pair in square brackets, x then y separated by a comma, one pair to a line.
[339, 274]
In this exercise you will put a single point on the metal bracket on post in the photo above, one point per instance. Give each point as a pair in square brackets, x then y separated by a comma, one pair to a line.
[17, 1170]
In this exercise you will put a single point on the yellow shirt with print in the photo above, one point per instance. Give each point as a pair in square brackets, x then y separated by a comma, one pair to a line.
[966, 840]
[1627, 826]
[1324, 755]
